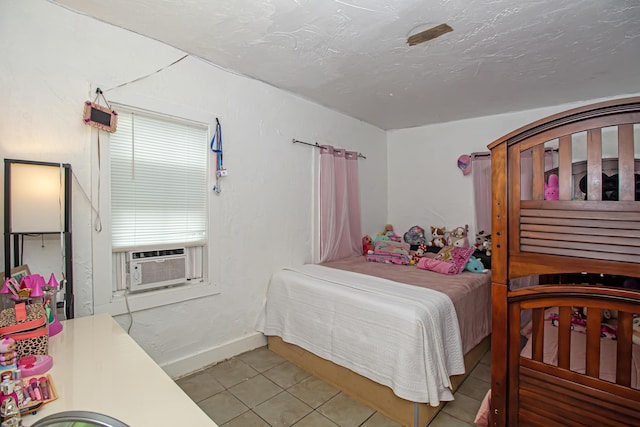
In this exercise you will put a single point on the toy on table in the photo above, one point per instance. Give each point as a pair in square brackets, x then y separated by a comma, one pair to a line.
[551, 188]
[7, 351]
[437, 237]
[35, 364]
[367, 245]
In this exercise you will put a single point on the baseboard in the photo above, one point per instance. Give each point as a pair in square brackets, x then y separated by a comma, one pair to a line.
[195, 362]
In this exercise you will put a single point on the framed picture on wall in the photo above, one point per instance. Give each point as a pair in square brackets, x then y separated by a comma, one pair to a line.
[19, 272]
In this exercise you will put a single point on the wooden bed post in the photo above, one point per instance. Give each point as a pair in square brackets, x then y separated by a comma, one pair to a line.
[499, 287]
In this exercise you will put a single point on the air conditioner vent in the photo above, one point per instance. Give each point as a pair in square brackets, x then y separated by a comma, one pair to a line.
[156, 268]
[157, 253]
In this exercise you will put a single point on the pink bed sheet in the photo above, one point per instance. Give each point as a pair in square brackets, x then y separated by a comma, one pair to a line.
[469, 292]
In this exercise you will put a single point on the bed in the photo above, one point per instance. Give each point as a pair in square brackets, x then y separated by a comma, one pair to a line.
[396, 337]
[591, 231]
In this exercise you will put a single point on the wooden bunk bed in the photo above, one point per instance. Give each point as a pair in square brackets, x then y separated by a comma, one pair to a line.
[592, 235]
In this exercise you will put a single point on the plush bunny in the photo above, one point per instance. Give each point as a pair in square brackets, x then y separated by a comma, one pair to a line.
[551, 188]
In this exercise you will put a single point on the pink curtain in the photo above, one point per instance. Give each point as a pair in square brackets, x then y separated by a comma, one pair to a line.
[340, 230]
[481, 174]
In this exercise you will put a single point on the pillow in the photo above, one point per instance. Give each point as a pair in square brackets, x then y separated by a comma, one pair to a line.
[450, 260]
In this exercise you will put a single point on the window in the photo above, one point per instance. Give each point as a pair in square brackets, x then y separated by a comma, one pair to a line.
[158, 188]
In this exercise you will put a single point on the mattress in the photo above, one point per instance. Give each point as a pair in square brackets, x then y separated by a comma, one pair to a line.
[405, 337]
[469, 292]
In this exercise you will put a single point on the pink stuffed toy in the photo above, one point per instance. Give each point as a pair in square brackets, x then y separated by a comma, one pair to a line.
[551, 188]
[7, 351]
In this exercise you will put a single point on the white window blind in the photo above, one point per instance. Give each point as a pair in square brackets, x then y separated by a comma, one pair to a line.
[158, 181]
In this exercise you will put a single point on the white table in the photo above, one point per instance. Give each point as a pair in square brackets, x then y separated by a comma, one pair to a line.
[98, 367]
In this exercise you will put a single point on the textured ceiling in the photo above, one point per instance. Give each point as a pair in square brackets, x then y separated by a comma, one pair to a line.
[352, 55]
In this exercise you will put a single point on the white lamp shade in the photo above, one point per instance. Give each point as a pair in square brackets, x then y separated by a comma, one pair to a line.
[37, 198]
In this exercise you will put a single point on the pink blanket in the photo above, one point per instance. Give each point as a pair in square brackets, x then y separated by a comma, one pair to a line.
[469, 292]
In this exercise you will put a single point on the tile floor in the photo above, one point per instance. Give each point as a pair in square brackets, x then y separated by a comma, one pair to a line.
[261, 389]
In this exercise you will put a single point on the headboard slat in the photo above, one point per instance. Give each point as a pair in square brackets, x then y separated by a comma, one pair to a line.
[627, 190]
[565, 168]
[592, 232]
[623, 351]
[594, 164]
[581, 253]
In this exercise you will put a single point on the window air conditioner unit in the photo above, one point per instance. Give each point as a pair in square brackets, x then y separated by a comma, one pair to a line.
[156, 268]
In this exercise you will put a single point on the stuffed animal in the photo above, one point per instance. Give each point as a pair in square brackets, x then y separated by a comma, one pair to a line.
[388, 231]
[458, 237]
[422, 249]
[7, 351]
[415, 237]
[367, 244]
[487, 247]
[481, 238]
[474, 265]
[551, 188]
[437, 237]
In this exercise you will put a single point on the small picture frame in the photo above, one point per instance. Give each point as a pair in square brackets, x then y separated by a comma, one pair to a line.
[100, 117]
[19, 272]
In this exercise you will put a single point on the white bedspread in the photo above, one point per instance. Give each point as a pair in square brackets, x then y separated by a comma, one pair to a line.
[402, 336]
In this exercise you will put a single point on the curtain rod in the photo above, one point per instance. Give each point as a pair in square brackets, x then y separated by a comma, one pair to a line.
[360, 155]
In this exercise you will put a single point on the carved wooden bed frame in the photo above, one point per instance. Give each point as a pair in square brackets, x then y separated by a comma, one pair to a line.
[552, 237]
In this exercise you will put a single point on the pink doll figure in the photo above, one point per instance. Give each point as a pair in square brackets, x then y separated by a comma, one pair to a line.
[551, 188]
[7, 351]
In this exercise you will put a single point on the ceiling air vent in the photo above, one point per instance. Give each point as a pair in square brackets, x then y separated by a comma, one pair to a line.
[430, 34]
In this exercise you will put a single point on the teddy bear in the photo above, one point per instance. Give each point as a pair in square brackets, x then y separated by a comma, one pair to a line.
[551, 188]
[437, 237]
[7, 351]
[367, 244]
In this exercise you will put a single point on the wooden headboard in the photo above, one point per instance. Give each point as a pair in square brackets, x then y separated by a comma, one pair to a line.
[537, 236]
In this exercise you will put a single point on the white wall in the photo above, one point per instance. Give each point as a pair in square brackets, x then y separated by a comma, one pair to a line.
[53, 60]
[426, 187]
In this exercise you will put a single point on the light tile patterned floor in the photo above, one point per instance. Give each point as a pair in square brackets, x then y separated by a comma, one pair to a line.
[261, 389]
